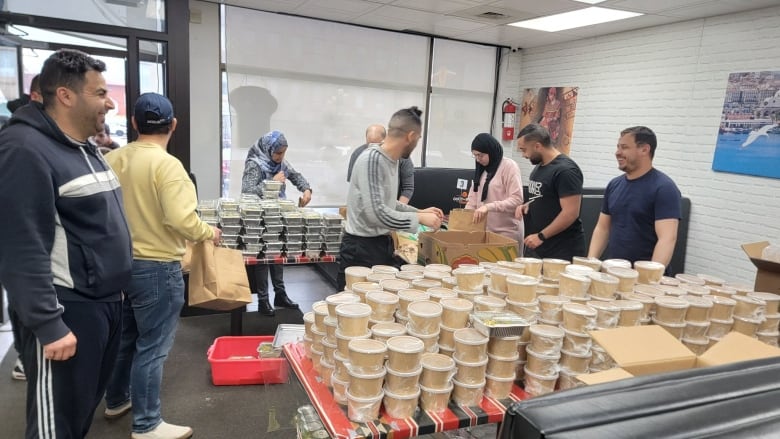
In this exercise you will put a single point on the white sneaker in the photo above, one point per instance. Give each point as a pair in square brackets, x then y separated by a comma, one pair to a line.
[165, 431]
[18, 371]
[118, 412]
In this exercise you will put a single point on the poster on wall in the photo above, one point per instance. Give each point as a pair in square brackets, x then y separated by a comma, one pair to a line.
[749, 132]
[553, 108]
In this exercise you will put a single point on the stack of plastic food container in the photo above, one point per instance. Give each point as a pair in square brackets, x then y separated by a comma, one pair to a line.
[312, 233]
[331, 234]
[251, 230]
[273, 228]
[229, 221]
[293, 232]
[207, 210]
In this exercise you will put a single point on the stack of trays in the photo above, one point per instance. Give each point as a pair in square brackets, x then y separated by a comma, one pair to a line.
[229, 221]
[251, 221]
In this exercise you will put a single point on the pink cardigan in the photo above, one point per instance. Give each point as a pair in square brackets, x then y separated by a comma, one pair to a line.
[505, 193]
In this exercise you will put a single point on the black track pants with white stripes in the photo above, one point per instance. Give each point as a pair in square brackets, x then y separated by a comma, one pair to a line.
[62, 395]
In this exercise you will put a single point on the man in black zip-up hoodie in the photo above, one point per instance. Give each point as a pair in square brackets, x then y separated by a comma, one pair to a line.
[65, 249]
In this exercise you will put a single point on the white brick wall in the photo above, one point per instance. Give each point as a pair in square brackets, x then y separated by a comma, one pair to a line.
[672, 79]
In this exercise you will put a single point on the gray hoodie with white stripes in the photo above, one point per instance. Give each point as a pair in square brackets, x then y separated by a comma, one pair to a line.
[372, 208]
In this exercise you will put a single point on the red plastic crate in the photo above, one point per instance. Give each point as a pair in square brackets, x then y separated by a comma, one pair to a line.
[225, 372]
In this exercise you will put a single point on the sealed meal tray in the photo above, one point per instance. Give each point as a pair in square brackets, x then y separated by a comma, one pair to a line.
[499, 324]
[228, 205]
[288, 333]
[287, 205]
[292, 218]
[333, 219]
[229, 218]
[272, 185]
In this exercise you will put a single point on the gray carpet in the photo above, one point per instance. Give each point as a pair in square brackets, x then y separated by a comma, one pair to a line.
[188, 397]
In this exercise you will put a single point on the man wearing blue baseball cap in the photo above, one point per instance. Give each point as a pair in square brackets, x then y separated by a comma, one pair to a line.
[160, 202]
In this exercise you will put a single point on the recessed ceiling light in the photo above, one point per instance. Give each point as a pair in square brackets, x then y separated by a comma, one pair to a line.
[590, 2]
[574, 19]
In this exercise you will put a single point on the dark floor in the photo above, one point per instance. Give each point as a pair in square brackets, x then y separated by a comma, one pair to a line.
[188, 395]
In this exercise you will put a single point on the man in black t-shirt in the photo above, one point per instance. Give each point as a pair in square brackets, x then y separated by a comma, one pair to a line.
[553, 226]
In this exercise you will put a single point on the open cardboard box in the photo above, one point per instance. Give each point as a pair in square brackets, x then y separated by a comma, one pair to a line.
[768, 274]
[454, 248]
[644, 350]
[604, 376]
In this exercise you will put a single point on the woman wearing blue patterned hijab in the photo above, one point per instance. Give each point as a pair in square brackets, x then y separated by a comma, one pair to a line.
[265, 161]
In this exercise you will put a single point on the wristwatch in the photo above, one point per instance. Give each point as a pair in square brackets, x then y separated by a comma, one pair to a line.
[541, 236]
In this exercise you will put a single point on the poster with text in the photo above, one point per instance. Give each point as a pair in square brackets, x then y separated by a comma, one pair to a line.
[749, 132]
[553, 108]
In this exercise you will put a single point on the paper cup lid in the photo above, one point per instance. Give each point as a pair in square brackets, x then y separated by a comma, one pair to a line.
[468, 270]
[417, 371]
[546, 331]
[582, 270]
[667, 324]
[384, 269]
[699, 324]
[447, 389]
[600, 305]
[410, 330]
[382, 297]
[609, 263]
[479, 363]
[766, 297]
[339, 298]
[438, 267]
[368, 400]
[413, 395]
[649, 265]
[320, 307]
[711, 279]
[648, 290]
[697, 289]
[412, 267]
[353, 310]
[424, 308]
[633, 305]
[540, 377]
[720, 300]
[499, 379]
[490, 301]
[426, 283]
[695, 341]
[341, 336]
[580, 309]
[367, 346]
[698, 301]
[309, 317]
[395, 284]
[405, 344]
[749, 299]
[469, 336]
[378, 277]
[576, 354]
[366, 286]
[548, 298]
[605, 278]
[689, 278]
[442, 293]
[584, 259]
[521, 279]
[528, 260]
[357, 271]
[622, 272]
[388, 329]
[437, 362]
[330, 321]
[514, 357]
[638, 297]
[576, 277]
[533, 353]
[510, 265]
[457, 304]
[555, 261]
[666, 280]
[411, 295]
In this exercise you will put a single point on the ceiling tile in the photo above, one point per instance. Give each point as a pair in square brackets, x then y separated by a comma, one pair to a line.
[538, 8]
[655, 6]
[719, 7]
[269, 5]
[340, 10]
[440, 6]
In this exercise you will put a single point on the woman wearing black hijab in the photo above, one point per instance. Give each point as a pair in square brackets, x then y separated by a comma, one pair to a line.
[497, 188]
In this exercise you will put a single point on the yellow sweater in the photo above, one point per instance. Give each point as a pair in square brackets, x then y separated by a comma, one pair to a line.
[159, 200]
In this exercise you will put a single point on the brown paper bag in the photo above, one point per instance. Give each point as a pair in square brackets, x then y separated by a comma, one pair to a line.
[461, 220]
[186, 260]
[218, 278]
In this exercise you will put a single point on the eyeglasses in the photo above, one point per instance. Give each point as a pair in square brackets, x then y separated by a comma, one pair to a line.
[478, 155]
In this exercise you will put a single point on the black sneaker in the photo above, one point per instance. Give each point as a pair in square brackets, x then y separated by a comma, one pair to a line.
[18, 372]
[265, 308]
[282, 301]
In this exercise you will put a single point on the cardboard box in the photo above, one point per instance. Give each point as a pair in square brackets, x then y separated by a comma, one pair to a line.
[768, 274]
[605, 376]
[455, 248]
[644, 350]
[734, 347]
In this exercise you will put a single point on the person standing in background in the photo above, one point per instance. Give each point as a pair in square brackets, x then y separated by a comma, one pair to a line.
[160, 202]
[373, 211]
[66, 253]
[555, 196]
[641, 209]
[17, 372]
[103, 140]
[265, 161]
[497, 189]
[375, 135]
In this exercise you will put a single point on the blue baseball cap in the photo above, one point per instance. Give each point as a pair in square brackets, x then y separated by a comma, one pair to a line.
[152, 109]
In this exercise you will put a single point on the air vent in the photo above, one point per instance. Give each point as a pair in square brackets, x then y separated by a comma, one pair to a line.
[493, 15]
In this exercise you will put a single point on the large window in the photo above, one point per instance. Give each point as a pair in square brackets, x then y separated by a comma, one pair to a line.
[324, 83]
[139, 14]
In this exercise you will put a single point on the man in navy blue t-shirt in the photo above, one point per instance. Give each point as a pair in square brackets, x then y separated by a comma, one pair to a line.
[641, 209]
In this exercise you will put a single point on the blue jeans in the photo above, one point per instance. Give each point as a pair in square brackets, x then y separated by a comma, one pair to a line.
[150, 314]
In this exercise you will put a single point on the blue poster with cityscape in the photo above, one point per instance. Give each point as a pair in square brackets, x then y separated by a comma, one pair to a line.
[749, 133]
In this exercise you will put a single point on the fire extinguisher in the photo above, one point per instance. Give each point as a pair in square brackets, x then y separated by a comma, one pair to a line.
[508, 109]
